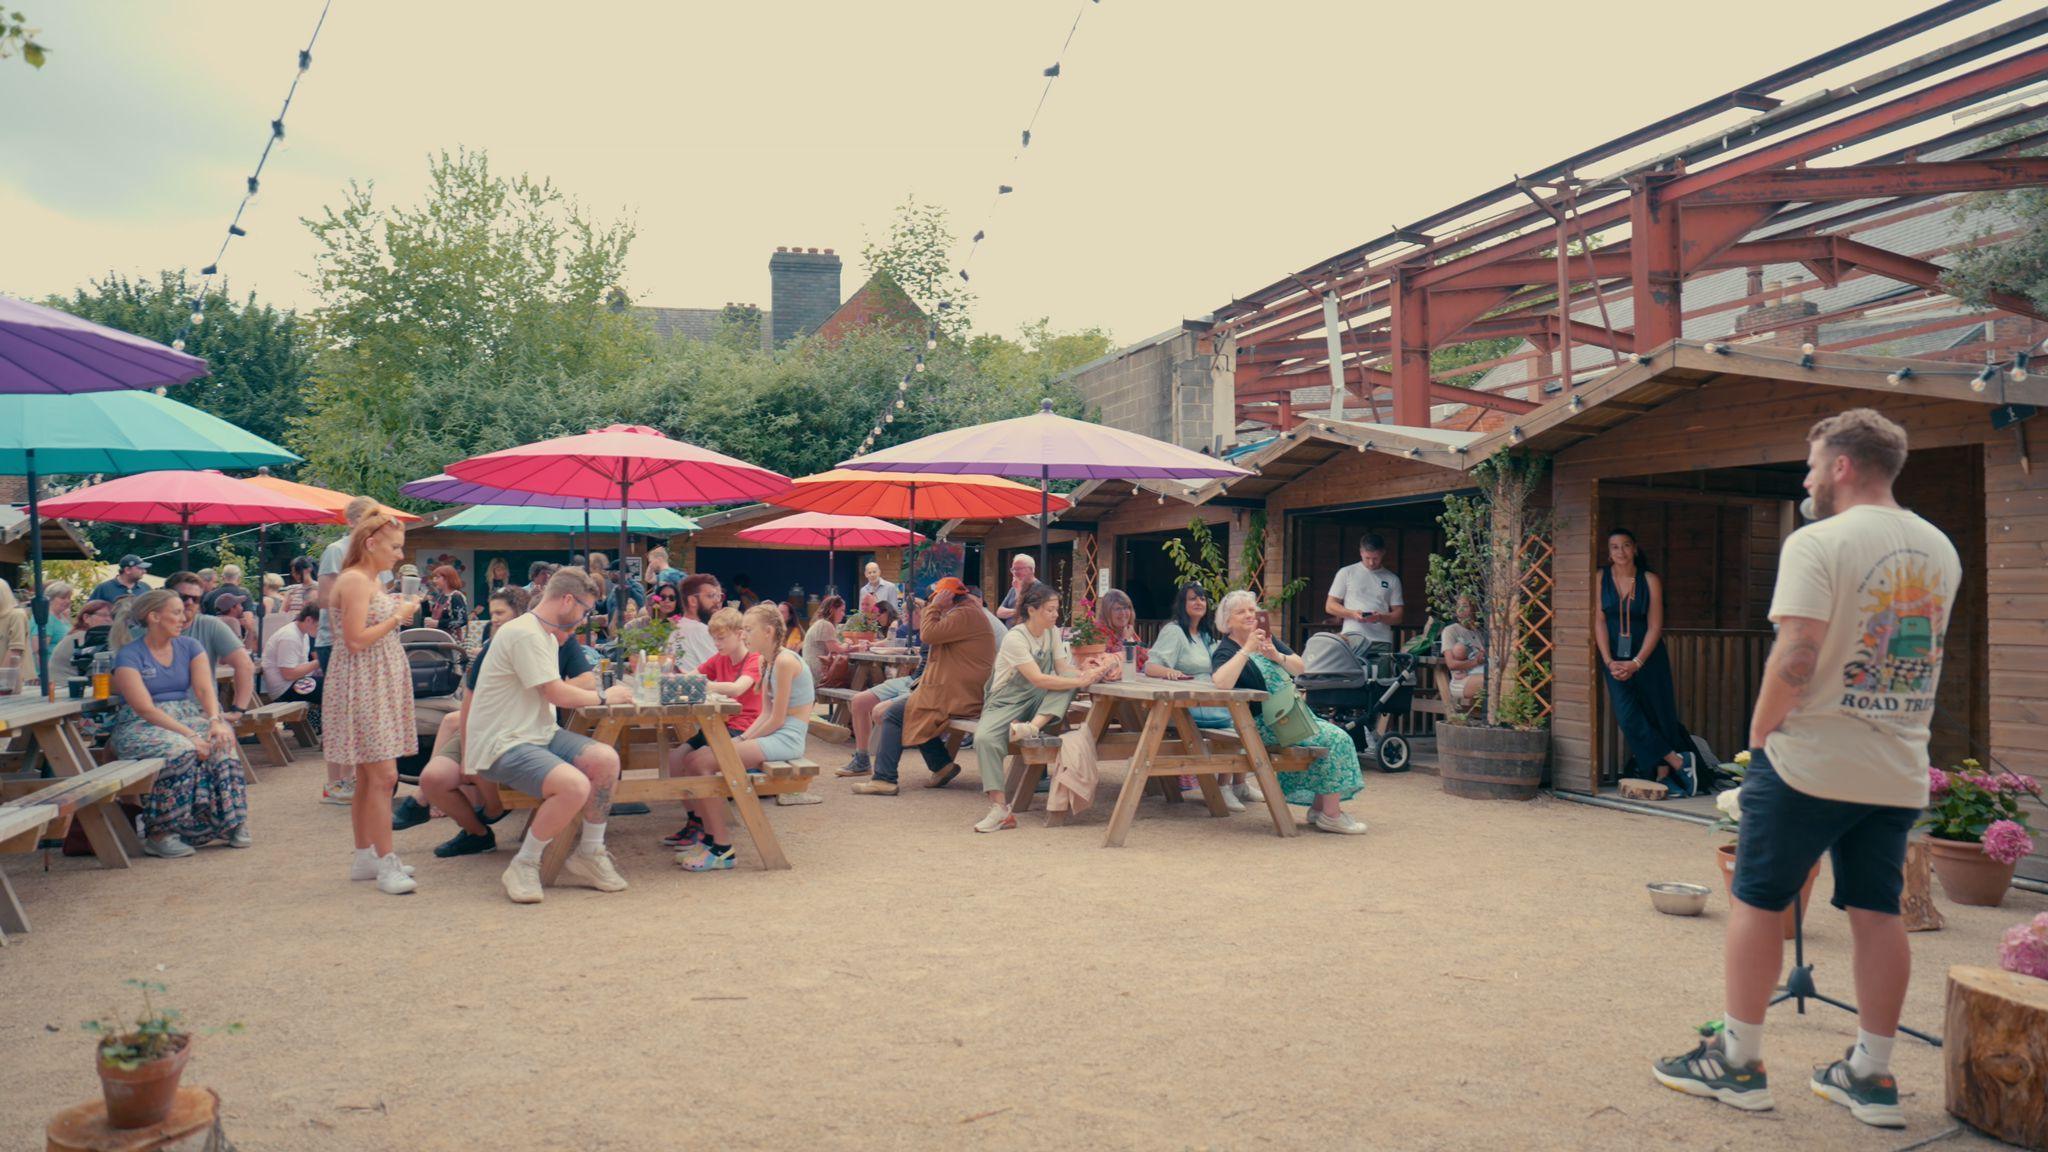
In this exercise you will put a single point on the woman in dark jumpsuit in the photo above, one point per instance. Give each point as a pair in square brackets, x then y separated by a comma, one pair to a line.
[1628, 625]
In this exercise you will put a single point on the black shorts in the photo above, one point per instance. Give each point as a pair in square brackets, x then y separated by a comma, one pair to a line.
[1784, 831]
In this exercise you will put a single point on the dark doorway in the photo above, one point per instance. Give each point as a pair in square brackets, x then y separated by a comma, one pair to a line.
[1320, 541]
[1146, 573]
[773, 572]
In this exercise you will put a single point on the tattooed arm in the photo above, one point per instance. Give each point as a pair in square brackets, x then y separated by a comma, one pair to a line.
[1788, 675]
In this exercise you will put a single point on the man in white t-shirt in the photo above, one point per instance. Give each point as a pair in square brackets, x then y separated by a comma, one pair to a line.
[1365, 596]
[511, 739]
[692, 643]
[1838, 762]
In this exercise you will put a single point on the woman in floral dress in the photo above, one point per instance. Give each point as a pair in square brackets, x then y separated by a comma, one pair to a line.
[368, 695]
[168, 709]
[1249, 658]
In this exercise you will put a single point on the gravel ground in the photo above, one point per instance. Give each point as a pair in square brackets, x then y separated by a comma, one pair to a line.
[1468, 975]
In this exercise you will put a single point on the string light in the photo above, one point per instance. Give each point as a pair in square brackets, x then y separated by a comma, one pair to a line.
[1983, 379]
[1716, 348]
[1515, 434]
[2019, 368]
[1900, 377]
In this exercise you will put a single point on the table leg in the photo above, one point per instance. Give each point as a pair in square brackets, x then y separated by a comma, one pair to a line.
[743, 798]
[1134, 783]
[1198, 745]
[12, 918]
[1262, 769]
[65, 747]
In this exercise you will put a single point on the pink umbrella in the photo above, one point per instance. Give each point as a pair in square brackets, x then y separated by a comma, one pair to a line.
[1046, 447]
[184, 499]
[618, 464]
[823, 530]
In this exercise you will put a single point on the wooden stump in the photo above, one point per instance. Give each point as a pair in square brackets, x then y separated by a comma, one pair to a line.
[83, 1127]
[1917, 905]
[1635, 789]
[1995, 1044]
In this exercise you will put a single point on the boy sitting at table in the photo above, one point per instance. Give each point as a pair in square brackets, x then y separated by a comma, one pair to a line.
[734, 671]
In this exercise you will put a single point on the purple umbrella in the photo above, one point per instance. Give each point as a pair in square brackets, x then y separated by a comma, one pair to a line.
[1046, 447]
[47, 352]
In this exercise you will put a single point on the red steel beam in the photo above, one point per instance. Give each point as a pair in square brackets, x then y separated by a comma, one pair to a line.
[1875, 181]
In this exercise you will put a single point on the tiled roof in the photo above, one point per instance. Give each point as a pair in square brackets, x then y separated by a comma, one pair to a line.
[696, 323]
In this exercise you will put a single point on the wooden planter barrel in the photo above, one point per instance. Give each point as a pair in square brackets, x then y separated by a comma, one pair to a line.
[1491, 763]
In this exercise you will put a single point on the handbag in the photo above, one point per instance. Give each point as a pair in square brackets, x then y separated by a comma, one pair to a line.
[1285, 711]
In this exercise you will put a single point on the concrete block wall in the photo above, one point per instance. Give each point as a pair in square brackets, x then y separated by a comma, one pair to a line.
[1162, 389]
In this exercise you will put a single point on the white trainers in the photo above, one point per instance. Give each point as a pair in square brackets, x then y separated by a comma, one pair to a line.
[590, 869]
[1230, 800]
[342, 792]
[1000, 818]
[1342, 823]
[394, 878]
[361, 867]
[167, 847]
[793, 799]
[1247, 790]
[522, 881]
[240, 837]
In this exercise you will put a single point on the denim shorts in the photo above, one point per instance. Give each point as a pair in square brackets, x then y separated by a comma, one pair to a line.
[1784, 831]
[894, 688]
[526, 767]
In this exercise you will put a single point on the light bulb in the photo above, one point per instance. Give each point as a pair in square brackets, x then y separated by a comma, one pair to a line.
[899, 403]
[1806, 349]
[1983, 379]
[888, 418]
[178, 345]
[920, 363]
[930, 343]
[198, 318]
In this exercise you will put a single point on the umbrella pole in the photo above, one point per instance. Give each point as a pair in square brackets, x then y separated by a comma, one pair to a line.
[910, 601]
[1044, 518]
[185, 540]
[39, 608]
[258, 566]
[619, 581]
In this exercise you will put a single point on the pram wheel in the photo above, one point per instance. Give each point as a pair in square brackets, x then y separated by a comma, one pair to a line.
[1392, 754]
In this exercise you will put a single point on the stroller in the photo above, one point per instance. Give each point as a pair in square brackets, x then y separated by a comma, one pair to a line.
[1351, 689]
[435, 660]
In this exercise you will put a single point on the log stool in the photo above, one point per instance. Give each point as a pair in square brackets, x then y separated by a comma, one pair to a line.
[194, 1119]
[1635, 789]
[1995, 1046]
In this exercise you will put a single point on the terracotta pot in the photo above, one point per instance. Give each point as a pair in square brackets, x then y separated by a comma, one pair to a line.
[1088, 651]
[1968, 876]
[144, 1096]
[859, 637]
[1491, 763]
[1725, 854]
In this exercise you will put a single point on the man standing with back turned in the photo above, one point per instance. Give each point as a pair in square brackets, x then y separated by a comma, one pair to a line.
[1838, 763]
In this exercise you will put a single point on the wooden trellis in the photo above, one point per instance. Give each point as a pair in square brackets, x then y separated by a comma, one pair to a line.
[1533, 644]
[1084, 566]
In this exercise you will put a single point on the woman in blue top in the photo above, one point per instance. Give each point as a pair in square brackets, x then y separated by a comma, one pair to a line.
[168, 709]
[1185, 650]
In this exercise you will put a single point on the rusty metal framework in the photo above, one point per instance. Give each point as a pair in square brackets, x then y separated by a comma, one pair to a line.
[1542, 257]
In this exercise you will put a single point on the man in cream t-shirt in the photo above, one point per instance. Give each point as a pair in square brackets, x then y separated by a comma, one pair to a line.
[511, 739]
[1838, 762]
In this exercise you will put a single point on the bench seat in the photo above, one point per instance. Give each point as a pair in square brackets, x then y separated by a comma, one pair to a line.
[267, 724]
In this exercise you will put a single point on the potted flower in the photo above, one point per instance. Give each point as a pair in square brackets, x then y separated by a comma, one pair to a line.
[1729, 802]
[1086, 637]
[1976, 830]
[646, 636]
[2025, 948]
[140, 1061]
[860, 628]
[1500, 747]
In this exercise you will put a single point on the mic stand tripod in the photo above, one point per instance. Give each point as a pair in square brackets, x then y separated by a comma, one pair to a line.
[1799, 986]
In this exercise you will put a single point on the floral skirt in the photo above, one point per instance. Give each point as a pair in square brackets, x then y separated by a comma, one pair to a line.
[1336, 772]
[195, 800]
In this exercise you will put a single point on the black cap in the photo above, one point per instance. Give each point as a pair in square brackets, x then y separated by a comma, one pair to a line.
[131, 560]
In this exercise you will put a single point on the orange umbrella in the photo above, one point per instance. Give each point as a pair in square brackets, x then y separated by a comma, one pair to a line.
[902, 495]
[327, 498]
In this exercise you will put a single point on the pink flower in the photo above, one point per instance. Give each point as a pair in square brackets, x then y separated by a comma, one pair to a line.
[1937, 781]
[2006, 842]
[2025, 948]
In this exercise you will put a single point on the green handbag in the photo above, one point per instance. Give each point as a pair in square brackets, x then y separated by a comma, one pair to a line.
[1285, 711]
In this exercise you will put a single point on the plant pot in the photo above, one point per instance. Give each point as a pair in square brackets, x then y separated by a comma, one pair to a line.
[1968, 876]
[144, 1096]
[1088, 651]
[1491, 763]
[1725, 854]
[859, 637]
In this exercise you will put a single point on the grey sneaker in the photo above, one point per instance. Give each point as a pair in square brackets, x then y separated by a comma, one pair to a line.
[1247, 790]
[1705, 1071]
[1873, 1099]
[875, 788]
[593, 870]
[239, 838]
[168, 847]
[1231, 802]
[522, 882]
[793, 799]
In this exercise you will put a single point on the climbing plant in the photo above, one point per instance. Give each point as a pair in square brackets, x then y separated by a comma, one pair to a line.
[1203, 563]
[1488, 538]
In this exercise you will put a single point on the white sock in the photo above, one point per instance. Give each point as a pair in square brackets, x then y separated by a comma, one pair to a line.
[530, 851]
[593, 839]
[1744, 1043]
[1872, 1055]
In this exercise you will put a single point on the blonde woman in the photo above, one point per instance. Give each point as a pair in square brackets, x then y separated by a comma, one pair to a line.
[13, 640]
[788, 693]
[168, 709]
[367, 700]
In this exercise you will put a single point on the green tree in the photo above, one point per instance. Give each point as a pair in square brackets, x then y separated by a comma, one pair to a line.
[17, 36]
[917, 253]
[2017, 266]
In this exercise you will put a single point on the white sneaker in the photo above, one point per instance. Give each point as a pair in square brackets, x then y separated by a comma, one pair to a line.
[167, 847]
[342, 792]
[240, 838]
[1342, 823]
[590, 869]
[367, 868]
[1230, 800]
[394, 878]
[793, 799]
[999, 819]
[522, 881]
[1248, 791]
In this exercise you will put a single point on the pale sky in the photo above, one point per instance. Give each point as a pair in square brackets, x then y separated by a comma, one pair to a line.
[1191, 149]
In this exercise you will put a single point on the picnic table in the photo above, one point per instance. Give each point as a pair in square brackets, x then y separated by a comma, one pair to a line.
[623, 726]
[1147, 709]
[868, 668]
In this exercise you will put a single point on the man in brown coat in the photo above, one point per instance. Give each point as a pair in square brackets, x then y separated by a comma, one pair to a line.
[963, 651]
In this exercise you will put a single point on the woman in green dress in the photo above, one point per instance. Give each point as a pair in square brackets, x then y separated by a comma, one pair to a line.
[1249, 658]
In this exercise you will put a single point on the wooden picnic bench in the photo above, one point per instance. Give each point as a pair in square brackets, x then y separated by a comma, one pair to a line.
[21, 829]
[27, 806]
[836, 724]
[265, 724]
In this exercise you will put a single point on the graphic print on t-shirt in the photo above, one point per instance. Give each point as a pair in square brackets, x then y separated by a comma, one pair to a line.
[1897, 661]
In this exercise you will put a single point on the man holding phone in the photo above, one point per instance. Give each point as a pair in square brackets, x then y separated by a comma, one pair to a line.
[1367, 597]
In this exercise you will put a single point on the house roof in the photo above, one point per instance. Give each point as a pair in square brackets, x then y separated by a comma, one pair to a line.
[879, 300]
[697, 323]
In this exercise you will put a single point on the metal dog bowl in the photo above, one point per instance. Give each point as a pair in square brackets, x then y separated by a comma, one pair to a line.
[1675, 899]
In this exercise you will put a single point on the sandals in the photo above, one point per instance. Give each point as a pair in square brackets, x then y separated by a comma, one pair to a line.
[702, 859]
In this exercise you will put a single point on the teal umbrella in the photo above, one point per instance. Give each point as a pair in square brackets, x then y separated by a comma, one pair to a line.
[563, 521]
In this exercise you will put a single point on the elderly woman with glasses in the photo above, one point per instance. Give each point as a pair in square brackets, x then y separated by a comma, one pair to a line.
[1250, 658]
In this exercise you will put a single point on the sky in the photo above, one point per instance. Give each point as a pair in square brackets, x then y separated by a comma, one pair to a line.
[1189, 151]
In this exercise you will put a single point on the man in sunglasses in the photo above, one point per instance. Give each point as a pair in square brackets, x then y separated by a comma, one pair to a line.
[223, 643]
[510, 738]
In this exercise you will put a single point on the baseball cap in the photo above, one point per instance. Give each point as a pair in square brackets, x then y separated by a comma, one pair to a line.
[952, 584]
[228, 602]
[131, 560]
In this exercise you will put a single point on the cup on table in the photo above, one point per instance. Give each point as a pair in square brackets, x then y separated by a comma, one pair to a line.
[78, 686]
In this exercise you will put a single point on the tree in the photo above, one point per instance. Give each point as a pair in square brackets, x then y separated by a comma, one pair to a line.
[917, 255]
[2018, 266]
[17, 36]
[460, 325]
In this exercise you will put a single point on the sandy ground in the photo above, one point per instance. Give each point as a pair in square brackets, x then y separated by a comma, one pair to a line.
[1469, 975]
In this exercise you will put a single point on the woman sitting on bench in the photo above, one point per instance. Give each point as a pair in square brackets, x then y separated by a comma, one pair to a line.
[778, 733]
[168, 709]
[1033, 684]
[1185, 650]
[1249, 658]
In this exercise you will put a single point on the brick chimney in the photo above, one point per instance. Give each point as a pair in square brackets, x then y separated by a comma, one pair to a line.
[803, 291]
[1788, 321]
